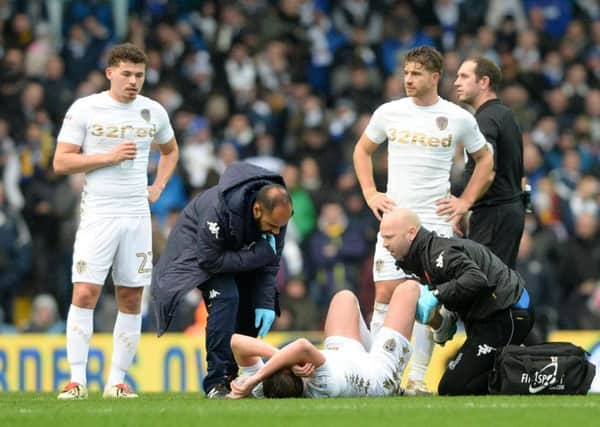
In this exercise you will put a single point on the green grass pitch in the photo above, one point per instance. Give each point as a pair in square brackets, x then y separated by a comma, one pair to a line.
[191, 409]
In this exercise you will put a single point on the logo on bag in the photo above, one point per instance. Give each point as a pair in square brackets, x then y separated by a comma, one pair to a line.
[544, 378]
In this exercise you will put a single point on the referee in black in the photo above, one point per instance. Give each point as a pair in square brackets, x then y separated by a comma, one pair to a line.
[498, 217]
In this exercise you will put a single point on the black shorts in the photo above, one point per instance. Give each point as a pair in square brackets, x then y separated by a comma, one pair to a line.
[500, 229]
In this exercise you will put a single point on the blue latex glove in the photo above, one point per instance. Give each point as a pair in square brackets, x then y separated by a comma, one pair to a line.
[271, 239]
[264, 318]
[426, 305]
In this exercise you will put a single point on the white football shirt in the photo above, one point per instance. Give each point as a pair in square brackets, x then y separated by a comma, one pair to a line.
[421, 146]
[98, 123]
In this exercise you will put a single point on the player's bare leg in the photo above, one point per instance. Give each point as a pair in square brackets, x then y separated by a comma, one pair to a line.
[345, 319]
[126, 337]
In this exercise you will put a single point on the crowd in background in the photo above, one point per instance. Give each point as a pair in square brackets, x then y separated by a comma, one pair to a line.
[290, 85]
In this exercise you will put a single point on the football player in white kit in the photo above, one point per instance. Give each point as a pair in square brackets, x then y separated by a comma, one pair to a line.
[351, 364]
[422, 131]
[108, 136]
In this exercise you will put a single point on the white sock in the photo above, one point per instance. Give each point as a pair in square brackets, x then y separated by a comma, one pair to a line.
[80, 327]
[126, 336]
[422, 349]
[380, 309]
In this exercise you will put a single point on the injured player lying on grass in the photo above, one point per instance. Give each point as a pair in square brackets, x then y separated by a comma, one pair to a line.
[351, 364]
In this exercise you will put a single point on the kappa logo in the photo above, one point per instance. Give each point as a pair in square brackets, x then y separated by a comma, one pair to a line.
[439, 261]
[214, 228]
[484, 349]
[213, 293]
[379, 265]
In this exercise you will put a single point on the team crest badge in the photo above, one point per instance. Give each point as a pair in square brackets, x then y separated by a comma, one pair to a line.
[145, 113]
[379, 265]
[390, 345]
[80, 266]
[441, 122]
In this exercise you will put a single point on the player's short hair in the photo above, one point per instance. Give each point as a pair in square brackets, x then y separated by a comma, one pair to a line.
[283, 384]
[272, 195]
[427, 56]
[485, 67]
[126, 52]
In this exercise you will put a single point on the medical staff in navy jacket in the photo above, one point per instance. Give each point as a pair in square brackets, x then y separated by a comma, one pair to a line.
[228, 242]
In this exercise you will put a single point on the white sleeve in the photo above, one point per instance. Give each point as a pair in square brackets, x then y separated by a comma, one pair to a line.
[472, 138]
[165, 132]
[246, 371]
[73, 128]
[375, 130]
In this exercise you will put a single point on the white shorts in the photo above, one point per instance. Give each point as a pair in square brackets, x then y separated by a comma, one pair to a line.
[351, 371]
[390, 353]
[125, 243]
[384, 264]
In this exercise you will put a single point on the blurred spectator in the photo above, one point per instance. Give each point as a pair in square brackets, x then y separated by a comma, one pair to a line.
[579, 273]
[82, 49]
[298, 310]
[10, 168]
[197, 153]
[39, 51]
[241, 74]
[556, 13]
[265, 154]
[335, 251]
[540, 279]
[15, 255]
[304, 218]
[498, 10]
[58, 91]
[44, 316]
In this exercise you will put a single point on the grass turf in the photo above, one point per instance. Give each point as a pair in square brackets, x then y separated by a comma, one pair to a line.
[183, 409]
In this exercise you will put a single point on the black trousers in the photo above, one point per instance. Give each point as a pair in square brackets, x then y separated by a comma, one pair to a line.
[230, 306]
[500, 229]
[468, 372]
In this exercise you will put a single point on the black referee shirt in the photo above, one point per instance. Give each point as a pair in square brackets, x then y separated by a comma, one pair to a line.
[497, 123]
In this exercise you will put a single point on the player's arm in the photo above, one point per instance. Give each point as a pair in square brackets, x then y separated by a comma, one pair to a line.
[363, 166]
[169, 155]
[299, 352]
[69, 159]
[483, 175]
[247, 351]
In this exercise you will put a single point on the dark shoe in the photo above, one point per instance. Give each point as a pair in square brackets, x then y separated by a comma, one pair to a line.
[218, 391]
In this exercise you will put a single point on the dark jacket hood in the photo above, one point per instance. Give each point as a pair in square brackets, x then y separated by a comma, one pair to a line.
[237, 190]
